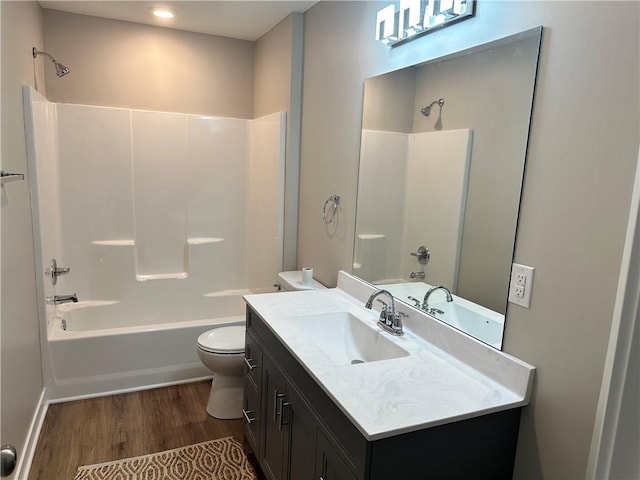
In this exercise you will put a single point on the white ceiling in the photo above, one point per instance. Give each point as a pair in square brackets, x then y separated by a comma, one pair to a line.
[246, 20]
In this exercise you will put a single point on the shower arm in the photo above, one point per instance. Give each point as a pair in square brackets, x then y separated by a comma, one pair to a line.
[439, 102]
[38, 52]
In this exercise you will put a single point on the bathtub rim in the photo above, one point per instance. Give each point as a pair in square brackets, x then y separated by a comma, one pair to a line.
[56, 333]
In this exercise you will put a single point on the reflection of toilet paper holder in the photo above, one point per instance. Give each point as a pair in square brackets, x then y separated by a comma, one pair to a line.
[330, 208]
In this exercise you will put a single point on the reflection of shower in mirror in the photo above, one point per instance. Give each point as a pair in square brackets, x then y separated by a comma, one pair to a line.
[426, 111]
[463, 206]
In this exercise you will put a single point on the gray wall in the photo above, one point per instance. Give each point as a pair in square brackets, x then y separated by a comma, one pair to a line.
[277, 87]
[21, 375]
[122, 64]
[576, 192]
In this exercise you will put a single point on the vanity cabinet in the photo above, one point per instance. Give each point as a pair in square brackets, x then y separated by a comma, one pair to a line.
[297, 432]
[279, 426]
[289, 428]
[329, 465]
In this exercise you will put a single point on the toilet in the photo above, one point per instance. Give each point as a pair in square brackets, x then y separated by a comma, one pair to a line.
[221, 350]
[292, 281]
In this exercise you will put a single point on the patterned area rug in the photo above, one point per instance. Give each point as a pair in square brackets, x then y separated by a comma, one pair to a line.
[221, 459]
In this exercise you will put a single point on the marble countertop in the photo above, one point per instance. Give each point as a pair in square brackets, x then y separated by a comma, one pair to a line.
[446, 377]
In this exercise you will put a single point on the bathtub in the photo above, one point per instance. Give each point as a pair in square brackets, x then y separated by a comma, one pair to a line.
[105, 347]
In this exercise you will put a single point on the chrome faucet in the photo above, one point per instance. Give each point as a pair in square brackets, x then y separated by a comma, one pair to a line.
[389, 319]
[425, 301]
[58, 299]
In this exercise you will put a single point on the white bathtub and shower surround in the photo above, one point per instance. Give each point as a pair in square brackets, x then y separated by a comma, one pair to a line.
[155, 213]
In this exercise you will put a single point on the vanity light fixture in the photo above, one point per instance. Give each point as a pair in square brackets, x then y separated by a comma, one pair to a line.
[415, 18]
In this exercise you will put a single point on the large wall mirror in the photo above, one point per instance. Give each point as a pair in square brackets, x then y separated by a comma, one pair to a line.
[441, 167]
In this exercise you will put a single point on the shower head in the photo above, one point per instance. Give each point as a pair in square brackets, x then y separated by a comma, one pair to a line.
[61, 70]
[426, 111]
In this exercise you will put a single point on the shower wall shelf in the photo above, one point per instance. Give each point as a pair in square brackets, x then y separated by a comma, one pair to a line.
[10, 177]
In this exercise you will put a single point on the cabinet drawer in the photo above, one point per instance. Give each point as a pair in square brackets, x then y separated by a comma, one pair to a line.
[251, 416]
[253, 362]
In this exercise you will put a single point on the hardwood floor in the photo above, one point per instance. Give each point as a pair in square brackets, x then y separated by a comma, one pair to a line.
[110, 428]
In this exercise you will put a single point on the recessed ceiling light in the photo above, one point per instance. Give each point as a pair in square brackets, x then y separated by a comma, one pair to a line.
[163, 13]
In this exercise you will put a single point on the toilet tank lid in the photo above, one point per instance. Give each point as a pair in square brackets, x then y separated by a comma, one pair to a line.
[293, 281]
[223, 339]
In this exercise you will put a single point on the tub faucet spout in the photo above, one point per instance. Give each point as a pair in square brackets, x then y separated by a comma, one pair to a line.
[425, 302]
[58, 299]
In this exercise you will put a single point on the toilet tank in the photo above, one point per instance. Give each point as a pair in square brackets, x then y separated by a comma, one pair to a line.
[291, 281]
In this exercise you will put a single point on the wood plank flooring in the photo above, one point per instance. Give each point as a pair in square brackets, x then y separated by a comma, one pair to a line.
[110, 428]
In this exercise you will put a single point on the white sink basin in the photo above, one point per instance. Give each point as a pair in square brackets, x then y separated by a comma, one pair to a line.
[346, 339]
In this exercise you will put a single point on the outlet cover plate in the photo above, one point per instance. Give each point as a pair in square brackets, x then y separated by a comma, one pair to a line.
[521, 285]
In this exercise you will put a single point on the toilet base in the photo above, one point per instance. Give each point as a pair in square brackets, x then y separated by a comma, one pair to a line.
[225, 398]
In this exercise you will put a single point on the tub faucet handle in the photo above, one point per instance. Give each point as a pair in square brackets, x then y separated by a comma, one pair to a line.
[54, 271]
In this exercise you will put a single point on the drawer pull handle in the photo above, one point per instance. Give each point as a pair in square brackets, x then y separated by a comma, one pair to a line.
[281, 422]
[249, 365]
[277, 404]
[246, 414]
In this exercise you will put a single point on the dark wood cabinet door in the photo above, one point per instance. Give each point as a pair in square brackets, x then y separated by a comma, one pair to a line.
[273, 459]
[329, 465]
[252, 416]
[253, 362]
[251, 402]
[301, 448]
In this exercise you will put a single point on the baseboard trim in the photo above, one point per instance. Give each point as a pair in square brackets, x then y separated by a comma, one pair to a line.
[77, 388]
[29, 448]
[138, 388]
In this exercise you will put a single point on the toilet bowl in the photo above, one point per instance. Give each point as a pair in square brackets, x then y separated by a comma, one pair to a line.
[221, 350]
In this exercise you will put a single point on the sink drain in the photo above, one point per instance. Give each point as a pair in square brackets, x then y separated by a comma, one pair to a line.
[356, 361]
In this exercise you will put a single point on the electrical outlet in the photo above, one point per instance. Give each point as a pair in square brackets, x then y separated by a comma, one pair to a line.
[521, 285]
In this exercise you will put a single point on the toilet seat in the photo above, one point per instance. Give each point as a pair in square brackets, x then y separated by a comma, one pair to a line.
[227, 340]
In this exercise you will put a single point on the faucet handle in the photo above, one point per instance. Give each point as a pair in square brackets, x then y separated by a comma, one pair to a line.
[417, 302]
[385, 312]
[385, 306]
[395, 322]
[54, 271]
